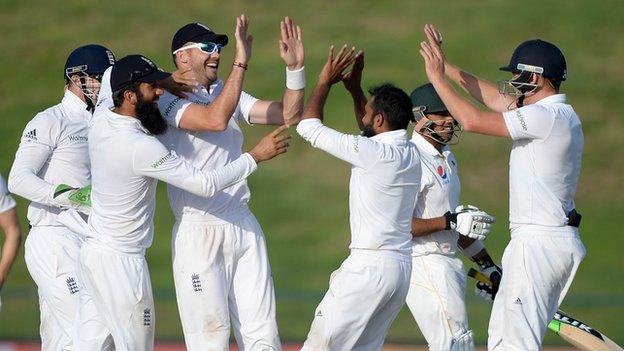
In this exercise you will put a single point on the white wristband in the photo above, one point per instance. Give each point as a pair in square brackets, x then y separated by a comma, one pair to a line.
[473, 249]
[295, 80]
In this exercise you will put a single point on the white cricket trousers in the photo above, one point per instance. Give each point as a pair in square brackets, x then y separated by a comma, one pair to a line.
[538, 268]
[222, 277]
[51, 254]
[436, 299]
[116, 307]
[364, 297]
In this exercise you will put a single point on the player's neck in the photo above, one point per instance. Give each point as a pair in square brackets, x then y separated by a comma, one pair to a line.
[542, 93]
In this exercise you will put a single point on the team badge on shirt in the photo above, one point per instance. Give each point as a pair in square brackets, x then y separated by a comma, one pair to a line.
[442, 172]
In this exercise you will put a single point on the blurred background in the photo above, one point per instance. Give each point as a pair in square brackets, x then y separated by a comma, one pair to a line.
[301, 198]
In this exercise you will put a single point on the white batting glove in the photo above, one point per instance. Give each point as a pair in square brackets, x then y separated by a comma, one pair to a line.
[470, 221]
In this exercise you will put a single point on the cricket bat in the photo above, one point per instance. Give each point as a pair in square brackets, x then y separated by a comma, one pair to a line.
[569, 328]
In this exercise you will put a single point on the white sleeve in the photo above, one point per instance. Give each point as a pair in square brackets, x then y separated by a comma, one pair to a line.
[38, 141]
[153, 160]
[172, 108]
[105, 96]
[357, 150]
[529, 122]
[6, 200]
[245, 103]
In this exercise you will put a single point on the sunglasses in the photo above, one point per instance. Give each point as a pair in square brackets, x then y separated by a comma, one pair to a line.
[208, 48]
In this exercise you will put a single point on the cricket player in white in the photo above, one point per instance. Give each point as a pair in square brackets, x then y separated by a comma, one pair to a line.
[438, 281]
[220, 263]
[545, 249]
[12, 235]
[127, 160]
[367, 292]
[52, 158]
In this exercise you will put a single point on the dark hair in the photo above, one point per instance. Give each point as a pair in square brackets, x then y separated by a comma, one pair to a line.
[118, 96]
[555, 83]
[394, 104]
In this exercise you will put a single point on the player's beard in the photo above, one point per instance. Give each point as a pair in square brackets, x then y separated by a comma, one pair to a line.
[149, 115]
[367, 131]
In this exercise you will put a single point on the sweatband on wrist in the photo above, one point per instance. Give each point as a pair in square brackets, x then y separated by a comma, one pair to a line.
[295, 80]
[473, 249]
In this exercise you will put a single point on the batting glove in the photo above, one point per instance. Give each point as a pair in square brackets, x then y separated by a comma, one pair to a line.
[494, 273]
[470, 221]
[67, 197]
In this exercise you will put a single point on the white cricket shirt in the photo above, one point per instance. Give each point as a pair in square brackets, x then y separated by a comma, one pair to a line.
[53, 150]
[439, 193]
[126, 163]
[206, 151]
[545, 162]
[6, 200]
[385, 179]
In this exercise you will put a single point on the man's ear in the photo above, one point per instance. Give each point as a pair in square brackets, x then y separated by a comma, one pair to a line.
[181, 57]
[131, 97]
[378, 120]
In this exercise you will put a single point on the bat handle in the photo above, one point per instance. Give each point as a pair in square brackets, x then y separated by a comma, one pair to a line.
[473, 273]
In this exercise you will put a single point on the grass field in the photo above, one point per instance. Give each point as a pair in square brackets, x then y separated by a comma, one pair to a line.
[301, 199]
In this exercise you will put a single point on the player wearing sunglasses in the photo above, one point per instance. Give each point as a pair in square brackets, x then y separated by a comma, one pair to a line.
[220, 262]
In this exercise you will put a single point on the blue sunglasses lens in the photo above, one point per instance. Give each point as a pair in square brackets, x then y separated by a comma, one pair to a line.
[210, 48]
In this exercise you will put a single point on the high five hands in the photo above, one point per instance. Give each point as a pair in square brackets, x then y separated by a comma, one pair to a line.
[291, 45]
[333, 71]
[431, 51]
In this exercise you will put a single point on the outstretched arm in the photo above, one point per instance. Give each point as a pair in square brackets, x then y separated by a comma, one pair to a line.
[353, 83]
[471, 118]
[216, 116]
[288, 111]
[331, 74]
[482, 90]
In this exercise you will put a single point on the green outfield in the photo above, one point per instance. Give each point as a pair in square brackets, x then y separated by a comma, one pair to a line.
[301, 199]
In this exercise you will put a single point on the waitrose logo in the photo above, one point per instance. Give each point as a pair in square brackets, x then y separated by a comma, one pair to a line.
[78, 138]
[162, 160]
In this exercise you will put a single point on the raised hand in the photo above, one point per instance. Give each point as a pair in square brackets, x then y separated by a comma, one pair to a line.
[334, 68]
[290, 44]
[353, 80]
[271, 145]
[243, 41]
[431, 51]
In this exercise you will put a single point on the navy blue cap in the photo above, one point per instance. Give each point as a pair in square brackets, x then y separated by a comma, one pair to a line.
[538, 56]
[196, 33]
[135, 68]
[426, 95]
[90, 59]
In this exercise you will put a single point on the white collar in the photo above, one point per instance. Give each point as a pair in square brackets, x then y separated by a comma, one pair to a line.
[423, 144]
[123, 120]
[393, 135]
[75, 106]
[553, 99]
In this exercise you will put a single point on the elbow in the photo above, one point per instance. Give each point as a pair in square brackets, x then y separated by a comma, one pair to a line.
[12, 184]
[220, 127]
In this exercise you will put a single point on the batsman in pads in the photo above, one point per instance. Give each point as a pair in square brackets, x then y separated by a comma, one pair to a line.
[545, 249]
[117, 306]
[220, 264]
[366, 293]
[51, 163]
[439, 226]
